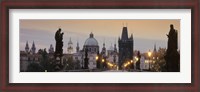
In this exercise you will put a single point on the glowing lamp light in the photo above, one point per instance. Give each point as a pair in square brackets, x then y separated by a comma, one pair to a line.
[149, 53]
[125, 65]
[97, 57]
[103, 60]
[136, 58]
[131, 61]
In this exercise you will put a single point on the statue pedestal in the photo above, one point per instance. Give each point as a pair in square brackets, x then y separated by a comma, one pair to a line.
[58, 63]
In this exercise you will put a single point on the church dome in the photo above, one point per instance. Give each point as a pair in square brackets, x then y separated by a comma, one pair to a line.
[91, 41]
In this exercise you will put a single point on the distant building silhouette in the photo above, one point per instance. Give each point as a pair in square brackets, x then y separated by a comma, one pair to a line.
[154, 52]
[51, 49]
[115, 56]
[112, 54]
[27, 47]
[92, 48]
[33, 48]
[29, 56]
[70, 46]
[91, 44]
[103, 51]
[77, 47]
[125, 47]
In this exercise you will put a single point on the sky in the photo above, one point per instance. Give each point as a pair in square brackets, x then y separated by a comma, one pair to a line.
[146, 33]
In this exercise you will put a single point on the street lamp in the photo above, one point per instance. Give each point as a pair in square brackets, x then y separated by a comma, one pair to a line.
[103, 60]
[97, 62]
[131, 61]
[149, 54]
[136, 58]
[97, 57]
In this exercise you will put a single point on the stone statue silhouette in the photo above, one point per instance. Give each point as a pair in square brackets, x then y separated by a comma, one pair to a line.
[138, 62]
[59, 42]
[172, 38]
[172, 56]
[59, 51]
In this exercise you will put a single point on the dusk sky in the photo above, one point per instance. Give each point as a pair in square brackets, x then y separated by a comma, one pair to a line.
[146, 33]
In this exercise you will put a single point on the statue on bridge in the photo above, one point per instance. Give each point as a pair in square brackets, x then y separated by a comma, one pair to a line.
[59, 49]
[172, 56]
[59, 42]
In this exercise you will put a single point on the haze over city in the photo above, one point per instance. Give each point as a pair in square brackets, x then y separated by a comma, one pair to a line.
[146, 33]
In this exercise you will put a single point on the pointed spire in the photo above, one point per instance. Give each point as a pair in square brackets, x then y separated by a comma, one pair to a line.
[27, 47]
[33, 44]
[27, 44]
[115, 47]
[51, 49]
[91, 35]
[33, 48]
[77, 44]
[124, 33]
[70, 41]
[103, 52]
[104, 42]
[131, 36]
[70, 46]
[77, 47]
[154, 47]
[115, 42]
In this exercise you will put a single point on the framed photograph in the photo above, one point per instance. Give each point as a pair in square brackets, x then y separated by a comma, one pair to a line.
[100, 45]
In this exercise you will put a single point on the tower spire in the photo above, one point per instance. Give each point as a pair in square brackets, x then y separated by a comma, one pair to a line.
[103, 52]
[154, 47]
[27, 47]
[104, 42]
[124, 33]
[115, 47]
[33, 48]
[91, 35]
[51, 49]
[77, 47]
[70, 46]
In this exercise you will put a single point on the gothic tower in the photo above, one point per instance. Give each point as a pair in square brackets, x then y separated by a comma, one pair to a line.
[77, 47]
[115, 48]
[103, 52]
[115, 53]
[27, 47]
[51, 49]
[125, 47]
[33, 48]
[154, 50]
[70, 46]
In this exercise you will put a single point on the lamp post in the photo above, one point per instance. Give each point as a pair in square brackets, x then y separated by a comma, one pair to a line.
[97, 57]
[149, 54]
[97, 62]
[103, 60]
[136, 60]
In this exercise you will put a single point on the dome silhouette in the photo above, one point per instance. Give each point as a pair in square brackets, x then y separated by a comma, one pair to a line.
[91, 41]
